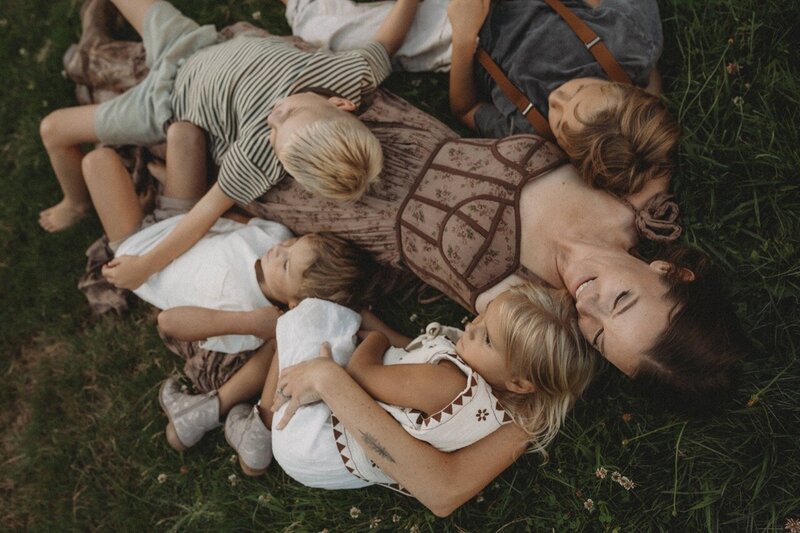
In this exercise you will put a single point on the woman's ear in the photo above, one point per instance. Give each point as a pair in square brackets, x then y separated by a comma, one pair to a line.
[342, 103]
[292, 303]
[662, 267]
[520, 386]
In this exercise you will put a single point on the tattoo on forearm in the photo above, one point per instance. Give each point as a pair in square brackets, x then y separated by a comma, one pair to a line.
[376, 446]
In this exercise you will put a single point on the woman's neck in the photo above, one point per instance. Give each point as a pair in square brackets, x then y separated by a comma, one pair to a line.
[569, 219]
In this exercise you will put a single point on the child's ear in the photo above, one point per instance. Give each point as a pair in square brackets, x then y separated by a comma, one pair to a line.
[292, 303]
[342, 103]
[520, 386]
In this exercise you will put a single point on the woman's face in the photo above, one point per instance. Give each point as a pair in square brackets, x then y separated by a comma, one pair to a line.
[575, 100]
[622, 305]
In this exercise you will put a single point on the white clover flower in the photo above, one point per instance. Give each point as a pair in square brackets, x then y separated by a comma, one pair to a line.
[233, 479]
[738, 101]
[264, 499]
[601, 473]
[589, 505]
[374, 522]
[792, 525]
[233, 458]
[256, 15]
[395, 518]
[23, 52]
[162, 478]
[355, 512]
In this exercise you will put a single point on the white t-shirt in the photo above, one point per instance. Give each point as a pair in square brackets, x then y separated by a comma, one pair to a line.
[218, 272]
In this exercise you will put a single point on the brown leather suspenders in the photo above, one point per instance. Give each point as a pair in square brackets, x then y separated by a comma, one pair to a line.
[587, 36]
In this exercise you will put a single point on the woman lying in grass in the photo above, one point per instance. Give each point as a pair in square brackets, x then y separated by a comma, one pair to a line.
[667, 324]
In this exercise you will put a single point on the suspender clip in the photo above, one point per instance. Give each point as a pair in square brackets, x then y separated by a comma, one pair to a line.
[527, 109]
[592, 42]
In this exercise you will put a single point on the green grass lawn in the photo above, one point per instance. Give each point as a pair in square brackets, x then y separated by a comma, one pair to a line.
[82, 437]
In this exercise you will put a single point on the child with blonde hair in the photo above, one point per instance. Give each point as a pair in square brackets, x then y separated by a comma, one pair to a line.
[523, 361]
[264, 104]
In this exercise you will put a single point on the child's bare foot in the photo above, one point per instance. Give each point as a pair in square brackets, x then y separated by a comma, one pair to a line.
[61, 216]
[158, 170]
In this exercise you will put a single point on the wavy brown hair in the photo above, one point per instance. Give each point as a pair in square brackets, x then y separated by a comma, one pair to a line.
[693, 364]
[341, 272]
[624, 145]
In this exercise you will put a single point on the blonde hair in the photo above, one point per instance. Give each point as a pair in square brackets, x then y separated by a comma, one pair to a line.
[336, 158]
[622, 146]
[341, 272]
[544, 346]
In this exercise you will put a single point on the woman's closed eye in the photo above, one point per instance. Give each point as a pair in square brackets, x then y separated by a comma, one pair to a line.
[619, 297]
[597, 338]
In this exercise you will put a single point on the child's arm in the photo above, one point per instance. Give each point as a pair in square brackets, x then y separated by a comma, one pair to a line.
[199, 323]
[393, 31]
[428, 388]
[129, 272]
[466, 18]
[370, 322]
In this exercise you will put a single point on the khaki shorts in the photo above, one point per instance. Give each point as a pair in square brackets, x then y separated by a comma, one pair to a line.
[140, 114]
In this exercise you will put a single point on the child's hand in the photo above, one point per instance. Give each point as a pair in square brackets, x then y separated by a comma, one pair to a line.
[264, 321]
[126, 271]
[466, 18]
[297, 384]
[370, 321]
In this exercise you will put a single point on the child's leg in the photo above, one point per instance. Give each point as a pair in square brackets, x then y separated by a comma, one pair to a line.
[247, 429]
[112, 193]
[268, 392]
[186, 172]
[62, 132]
[134, 11]
[248, 380]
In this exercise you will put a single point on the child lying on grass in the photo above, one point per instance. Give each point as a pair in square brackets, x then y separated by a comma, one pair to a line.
[267, 107]
[522, 361]
[247, 269]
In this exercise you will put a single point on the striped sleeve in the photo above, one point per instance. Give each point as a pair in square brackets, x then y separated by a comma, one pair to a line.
[380, 64]
[249, 169]
[349, 74]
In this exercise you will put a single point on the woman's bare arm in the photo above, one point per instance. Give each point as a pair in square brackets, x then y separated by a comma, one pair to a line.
[440, 481]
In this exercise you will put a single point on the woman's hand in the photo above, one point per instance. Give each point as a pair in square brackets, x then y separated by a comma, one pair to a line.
[127, 271]
[297, 384]
[466, 18]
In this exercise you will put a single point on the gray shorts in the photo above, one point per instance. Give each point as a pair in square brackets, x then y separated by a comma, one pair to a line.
[166, 207]
[141, 114]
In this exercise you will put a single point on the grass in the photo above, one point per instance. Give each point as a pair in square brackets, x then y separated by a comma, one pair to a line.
[82, 444]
